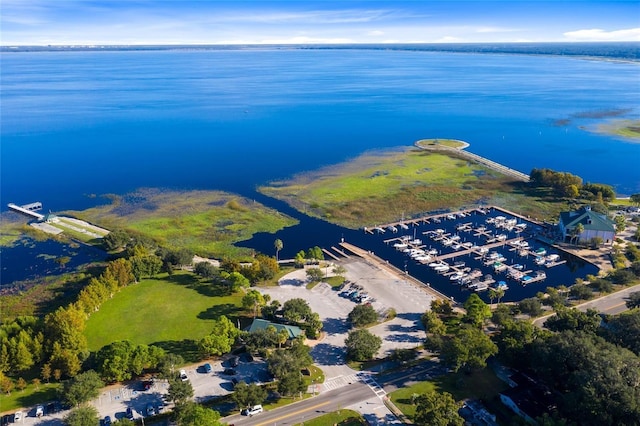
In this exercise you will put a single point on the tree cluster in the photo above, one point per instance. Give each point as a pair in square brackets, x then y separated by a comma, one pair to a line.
[221, 339]
[563, 184]
[363, 315]
[123, 360]
[362, 345]
[313, 255]
[286, 365]
[299, 312]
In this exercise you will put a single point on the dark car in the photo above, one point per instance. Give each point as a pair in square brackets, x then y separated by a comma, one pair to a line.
[234, 381]
[107, 421]
[6, 419]
[229, 372]
[129, 413]
[207, 368]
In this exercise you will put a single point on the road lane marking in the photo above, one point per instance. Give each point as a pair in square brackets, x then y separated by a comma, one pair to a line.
[615, 306]
[295, 413]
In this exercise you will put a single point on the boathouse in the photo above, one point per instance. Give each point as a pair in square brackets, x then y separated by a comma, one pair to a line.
[594, 224]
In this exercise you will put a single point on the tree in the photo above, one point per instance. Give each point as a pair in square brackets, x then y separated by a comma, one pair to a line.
[573, 319]
[205, 270]
[300, 259]
[193, 414]
[442, 307]
[530, 306]
[314, 275]
[82, 416]
[620, 222]
[581, 291]
[235, 280]
[635, 199]
[168, 365]
[596, 382]
[437, 409]
[214, 344]
[282, 336]
[253, 300]
[248, 395]
[278, 246]
[282, 362]
[6, 384]
[469, 348]
[82, 388]
[363, 315]
[362, 345]
[113, 361]
[261, 340]
[633, 300]
[624, 330]
[339, 270]
[180, 391]
[291, 384]
[477, 310]
[21, 384]
[296, 310]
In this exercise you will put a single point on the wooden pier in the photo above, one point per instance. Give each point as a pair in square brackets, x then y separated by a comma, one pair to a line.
[28, 210]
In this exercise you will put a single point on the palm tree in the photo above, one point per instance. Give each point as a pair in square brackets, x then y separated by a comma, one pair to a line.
[579, 229]
[499, 293]
[493, 294]
[278, 245]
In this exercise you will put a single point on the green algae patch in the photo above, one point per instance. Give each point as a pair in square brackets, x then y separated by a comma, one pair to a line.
[627, 129]
[206, 222]
[384, 186]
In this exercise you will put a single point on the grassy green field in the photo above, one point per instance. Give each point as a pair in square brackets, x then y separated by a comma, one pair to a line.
[385, 186]
[483, 384]
[29, 397]
[171, 312]
[341, 418]
[207, 222]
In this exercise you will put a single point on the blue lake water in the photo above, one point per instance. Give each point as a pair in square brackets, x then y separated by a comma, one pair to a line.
[75, 124]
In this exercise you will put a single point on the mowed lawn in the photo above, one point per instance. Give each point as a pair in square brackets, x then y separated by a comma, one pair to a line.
[165, 311]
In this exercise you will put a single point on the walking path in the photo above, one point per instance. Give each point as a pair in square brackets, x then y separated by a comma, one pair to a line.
[476, 158]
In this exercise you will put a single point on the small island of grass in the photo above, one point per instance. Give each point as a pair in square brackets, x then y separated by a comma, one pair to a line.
[446, 143]
[380, 187]
[628, 129]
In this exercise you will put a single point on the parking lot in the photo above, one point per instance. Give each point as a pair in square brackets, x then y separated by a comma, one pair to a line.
[386, 291]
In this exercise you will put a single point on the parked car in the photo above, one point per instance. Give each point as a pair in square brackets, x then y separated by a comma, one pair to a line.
[129, 413]
[39, 411]
[256, 409]
[207, 368]
[6, 419]
[18, 416]
[229, 372]
[107, 421]
[234, 361]
[183, 375]
[150, 410]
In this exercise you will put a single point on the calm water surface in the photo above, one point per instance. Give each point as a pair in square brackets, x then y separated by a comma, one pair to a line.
[76, 124]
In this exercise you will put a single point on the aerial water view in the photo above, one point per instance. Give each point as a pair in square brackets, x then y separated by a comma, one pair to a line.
[320, 213]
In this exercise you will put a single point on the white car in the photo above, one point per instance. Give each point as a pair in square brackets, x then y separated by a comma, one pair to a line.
[18, 416]
[251, 411]
[39, 411]
[183, 375]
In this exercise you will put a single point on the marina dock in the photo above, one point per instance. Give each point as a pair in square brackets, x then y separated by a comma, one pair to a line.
[28, 210]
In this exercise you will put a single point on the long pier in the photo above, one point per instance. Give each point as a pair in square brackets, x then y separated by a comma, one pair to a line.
[27, 210]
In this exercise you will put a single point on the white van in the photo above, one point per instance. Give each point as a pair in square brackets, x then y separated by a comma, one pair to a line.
[256, 409]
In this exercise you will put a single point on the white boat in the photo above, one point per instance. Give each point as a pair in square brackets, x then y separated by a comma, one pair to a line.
[432, 252]
[416, 242]
[456, 246]
[518, 266]
[540, 260]
[404, 226]
[540, 252]
[456, 276]
[481, 287]
[422, 258]
[450, 217]
[553, 257]
[400, 246]
[501, 237]
[442, 268]
[392, 229]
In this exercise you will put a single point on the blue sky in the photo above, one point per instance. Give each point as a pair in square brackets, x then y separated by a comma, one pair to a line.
[62, 22]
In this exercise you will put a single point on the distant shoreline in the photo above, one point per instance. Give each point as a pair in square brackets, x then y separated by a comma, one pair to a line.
[609, 51]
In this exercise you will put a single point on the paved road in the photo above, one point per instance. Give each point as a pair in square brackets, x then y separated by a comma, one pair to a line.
[611, 304]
